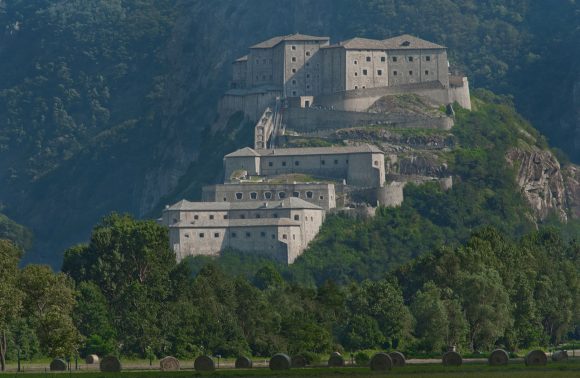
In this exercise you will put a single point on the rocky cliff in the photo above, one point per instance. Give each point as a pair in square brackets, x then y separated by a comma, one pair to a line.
[547, 188]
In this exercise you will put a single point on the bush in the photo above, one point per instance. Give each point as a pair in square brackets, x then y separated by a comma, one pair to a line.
[362, 359]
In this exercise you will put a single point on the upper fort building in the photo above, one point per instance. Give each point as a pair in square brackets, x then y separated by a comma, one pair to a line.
[304, 65]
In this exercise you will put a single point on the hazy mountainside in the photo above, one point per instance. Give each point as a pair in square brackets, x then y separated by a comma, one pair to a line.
[103, 104]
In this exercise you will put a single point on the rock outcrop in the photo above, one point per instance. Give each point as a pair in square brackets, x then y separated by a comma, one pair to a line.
[571, 174]
[540, 178]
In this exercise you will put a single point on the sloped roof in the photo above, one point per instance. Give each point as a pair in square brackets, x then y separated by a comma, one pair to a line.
[359, 44]
[409, 42]
[242, 59]
[225, 223]
[291, 37]
[363, 148]
[244, 152]
[286, 203]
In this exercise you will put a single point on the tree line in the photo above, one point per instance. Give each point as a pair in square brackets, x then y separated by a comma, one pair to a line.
[123, 293]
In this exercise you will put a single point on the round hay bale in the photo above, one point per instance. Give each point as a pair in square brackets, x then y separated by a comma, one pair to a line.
[336, 360]
[110, 364]
[452, 359]
[536, 358]
[560, 355]
[169, 363]
[58, 364]
[398, 359]
[243, 362]
[92, 359]
[204, 363]
[280, 361]
[499, 357]
[381, 362]
[299, 361]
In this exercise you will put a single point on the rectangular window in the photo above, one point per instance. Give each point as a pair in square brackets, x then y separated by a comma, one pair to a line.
[284, 236]
[293, 47]
[426, 73]
[395, 73]
[355, 62]
[296, 163]
[335, 161]
[410, 73]
[211, 217]
[308, 76]
[383, 59]
[293, 58]
[410, 59]
[365, 72]
[263, 234]
[201, 235]
[283, 163]
[248, 235]
[307, 53]
[270, 164]
[428, 58]
[368, 58]
[394, 59]
[234, 235]
[293, 70]
[216, 235]
[296, 217]
[380, 72]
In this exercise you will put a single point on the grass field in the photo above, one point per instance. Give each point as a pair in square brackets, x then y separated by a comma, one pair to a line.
[476, 370]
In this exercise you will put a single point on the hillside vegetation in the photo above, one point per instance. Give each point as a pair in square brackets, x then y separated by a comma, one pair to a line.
[104, 104]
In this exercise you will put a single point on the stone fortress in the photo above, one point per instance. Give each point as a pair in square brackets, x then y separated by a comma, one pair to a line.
[274, 199]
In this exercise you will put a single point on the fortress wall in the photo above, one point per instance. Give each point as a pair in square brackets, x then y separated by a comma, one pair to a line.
[252, 104]
[312, 119]
[460, 94]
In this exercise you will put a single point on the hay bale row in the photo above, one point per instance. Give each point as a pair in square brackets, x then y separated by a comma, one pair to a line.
[243, 362]
[381, 362]
[169, 363]
[559, 355]
[536, 358]
[499, 357]
[280, 361]
[204, 363]
[336, 360]
[110, 364]
[58, 364]
[452, 358]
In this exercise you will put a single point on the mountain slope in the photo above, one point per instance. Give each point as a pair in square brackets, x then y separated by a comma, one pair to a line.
[103, 104]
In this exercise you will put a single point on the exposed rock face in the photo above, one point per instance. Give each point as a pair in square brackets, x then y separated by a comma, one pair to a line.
[571, 175]
[540, 179]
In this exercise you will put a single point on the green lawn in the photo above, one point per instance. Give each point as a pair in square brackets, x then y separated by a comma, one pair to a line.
[476, 370]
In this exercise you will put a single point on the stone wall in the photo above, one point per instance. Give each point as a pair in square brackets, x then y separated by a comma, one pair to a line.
[252, 103]
[322, 195]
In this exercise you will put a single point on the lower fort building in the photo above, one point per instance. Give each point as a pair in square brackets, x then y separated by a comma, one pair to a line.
[279, 229]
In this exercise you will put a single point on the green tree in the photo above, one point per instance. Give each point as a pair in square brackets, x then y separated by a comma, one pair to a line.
[431, 319]
[10, 295]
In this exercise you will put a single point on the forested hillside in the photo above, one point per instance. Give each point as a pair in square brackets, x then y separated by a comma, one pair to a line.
[104, 104]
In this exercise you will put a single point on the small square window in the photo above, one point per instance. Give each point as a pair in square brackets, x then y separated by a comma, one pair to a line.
[395, 73]
[268, 195]
[356, 74]
[307, 86]
[293, 47]
[282, 195]
[284, 236]
[270, 164]
[383, 59]
[376, 163]
[394, 59]
[307, 53]
[293, 82]
[309, 194]
[335, 161]
[239, 195]
[196, 217]
[273, 236]
[368, 58]
[365, 72]
[428, 58]
[283, 163]
[323, 162]
[410, 59]
[426, 72]
[234, 235]
[293, 70]
[216, 235]
[321, 197]
[355, 62]
[294, 59]
[201, 235]
[379, 72]
[263, 234]
[308, 76]
[356, 87]
[296, 163]
[186, 235]
[211, 217]
[410, 73]
[254, 195]
[296, 217]
[226, 216]
[275, 215]
[296, 194]
[293, 93]
[248, 235]
[258, 216]
[243, 216]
